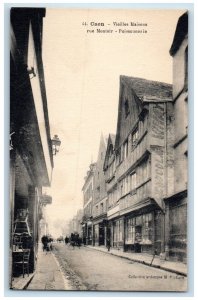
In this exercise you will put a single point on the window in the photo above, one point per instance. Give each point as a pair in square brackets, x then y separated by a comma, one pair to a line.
[125, 149]
[121, 188]
[147, 228]
[134, 138]
[126, 107]
[133, 181]
[101, 208]
[144, 171]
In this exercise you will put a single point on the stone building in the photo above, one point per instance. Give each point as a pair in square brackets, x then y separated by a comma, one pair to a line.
[176, 202]
[111, 184]
[139, 164]
[100, 197]
[88, 194]
[31, 159]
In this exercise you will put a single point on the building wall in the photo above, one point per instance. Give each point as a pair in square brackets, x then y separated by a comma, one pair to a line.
[31, 154]
[144, 165]
[179, 68]
[181, 117]
[99, 178]
[129, 112]
[176, 203]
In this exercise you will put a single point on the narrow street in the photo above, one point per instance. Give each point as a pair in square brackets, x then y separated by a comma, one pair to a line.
[89, 269]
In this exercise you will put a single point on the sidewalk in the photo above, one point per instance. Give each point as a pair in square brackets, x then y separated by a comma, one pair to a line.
[47, 276]
[144, 258]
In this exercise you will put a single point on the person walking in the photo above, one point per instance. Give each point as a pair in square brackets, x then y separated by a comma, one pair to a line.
[44, 241]
[66, 240]
[108, 244]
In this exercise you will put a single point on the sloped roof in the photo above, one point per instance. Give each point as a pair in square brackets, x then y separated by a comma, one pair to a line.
[148, 89]
[111, 139]
[112, 136]
[144, 91]
[180, 33]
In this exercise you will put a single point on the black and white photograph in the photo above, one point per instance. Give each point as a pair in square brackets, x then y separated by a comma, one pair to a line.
[98, 174]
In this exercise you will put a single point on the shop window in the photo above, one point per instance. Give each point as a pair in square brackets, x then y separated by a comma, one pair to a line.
[147, 232]
[130, 231]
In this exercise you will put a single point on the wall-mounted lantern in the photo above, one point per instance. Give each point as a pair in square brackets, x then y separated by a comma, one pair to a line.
[55, 144]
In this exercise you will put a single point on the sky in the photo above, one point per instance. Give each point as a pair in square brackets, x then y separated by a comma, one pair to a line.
[82, 83]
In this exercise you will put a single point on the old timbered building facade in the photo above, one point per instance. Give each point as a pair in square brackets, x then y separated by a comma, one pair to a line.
[137, 165]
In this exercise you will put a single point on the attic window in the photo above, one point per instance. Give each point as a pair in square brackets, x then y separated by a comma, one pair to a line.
[126, 107]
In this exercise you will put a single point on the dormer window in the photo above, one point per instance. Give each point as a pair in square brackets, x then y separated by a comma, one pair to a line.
[126, 107]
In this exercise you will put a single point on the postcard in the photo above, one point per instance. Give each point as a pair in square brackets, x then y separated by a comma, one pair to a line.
[98, 149]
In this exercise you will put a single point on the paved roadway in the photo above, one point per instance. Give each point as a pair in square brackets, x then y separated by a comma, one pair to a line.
[89, 269]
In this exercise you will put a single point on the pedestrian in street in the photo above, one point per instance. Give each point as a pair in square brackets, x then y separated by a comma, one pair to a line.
[44, 241]
[72, 240]
[66, 240]
[79, 242]
[84, 241]
[108, 244]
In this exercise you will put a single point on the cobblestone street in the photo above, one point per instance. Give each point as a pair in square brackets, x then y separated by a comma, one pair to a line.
[88, 269]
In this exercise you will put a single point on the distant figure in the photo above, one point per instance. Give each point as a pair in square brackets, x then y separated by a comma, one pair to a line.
[72, 240]
[108, 244]
[50, 240]
[84, 241]
[44, 241]
[79, 242]
[66, 240]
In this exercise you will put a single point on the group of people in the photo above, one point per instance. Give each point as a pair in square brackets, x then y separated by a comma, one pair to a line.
[47, 243]
[74, 240]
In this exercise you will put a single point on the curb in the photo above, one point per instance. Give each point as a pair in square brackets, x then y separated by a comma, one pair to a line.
[24, 285]
[144, 263]
[65, 281]
[27, 283]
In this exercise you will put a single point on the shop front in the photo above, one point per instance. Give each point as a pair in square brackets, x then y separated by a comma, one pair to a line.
[118, 233]
[139, 233]
[89, 233]
[143, 232]
[99, 230]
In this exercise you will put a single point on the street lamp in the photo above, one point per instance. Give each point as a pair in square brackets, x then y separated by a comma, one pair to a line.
[55, 144]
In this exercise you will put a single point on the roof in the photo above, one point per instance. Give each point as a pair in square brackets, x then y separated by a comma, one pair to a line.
[112, 136]
[180, 33]
[148, 89]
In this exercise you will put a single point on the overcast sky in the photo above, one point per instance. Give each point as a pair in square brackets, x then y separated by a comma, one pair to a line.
[82, 82]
